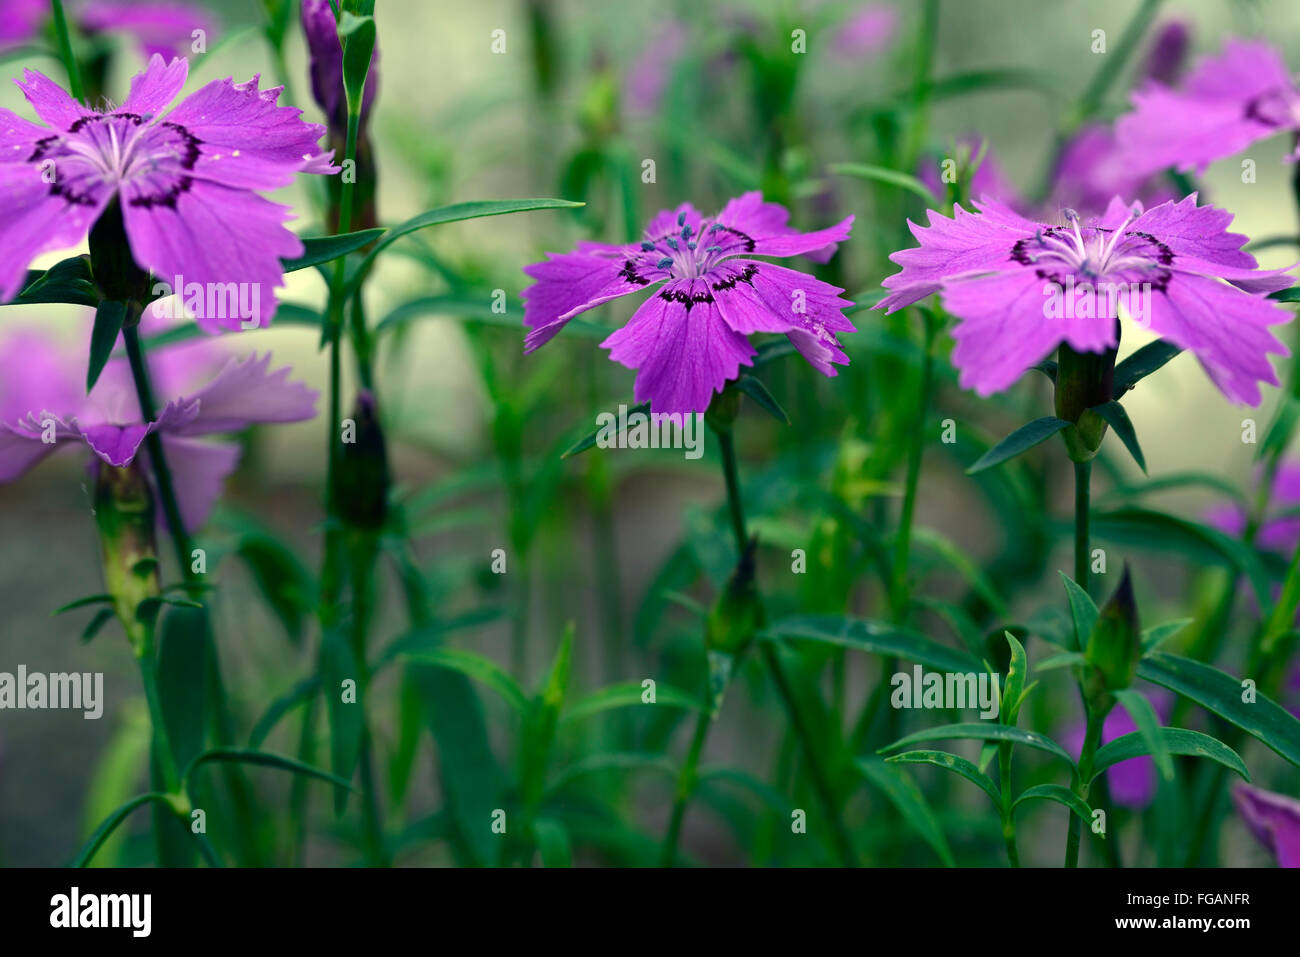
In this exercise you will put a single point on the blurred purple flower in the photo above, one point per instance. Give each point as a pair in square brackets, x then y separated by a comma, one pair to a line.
[163, 29]
[244, 393]
[865, 32]
[1277, 533]
[1229, 102]
[326, 53]
[647, 78]
[1089, 174]
[999, 272]
[691, 337]
[1092, 171]
[1274, 819]
[34, 371]
[1132, 782]
[186, 183]
[989, 180]
[20, 20]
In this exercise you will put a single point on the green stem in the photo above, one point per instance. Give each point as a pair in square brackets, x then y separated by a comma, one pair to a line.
[817, 770]
[1091, 739]
[923, 62]
[821, 780]
[157, 456]
[337, 301]
[65, 51]
[1082, 512]
[902, 545]
[1008, 813]
[216, 690]
[162, 743]
[732, 477]
[686, 781]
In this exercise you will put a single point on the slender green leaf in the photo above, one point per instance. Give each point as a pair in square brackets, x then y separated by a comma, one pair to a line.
[1082, 609]
[109, 317]
[475, 666]
[113, 821]
[299, 694]
[103, 599]
[1190, 540]
[467, 768]
[872, 637]
[590, 440]
[903, 793]
[982, 732]
[1141, 364]
[1157, 635]
[629, 695]
[1015, 683]
[892, 177]
[69, 281]
[755, 389]
[266, 760]
[338, 665]
[96, 624]
[552, 839]
[1058, 793]
[1221, 693]
[955, 763]
[616, 761]
[318, 250]
[1022, 439]
[773, 799]
[1176, 741]
[1117, 418]
[1147, 722]
[462, 211]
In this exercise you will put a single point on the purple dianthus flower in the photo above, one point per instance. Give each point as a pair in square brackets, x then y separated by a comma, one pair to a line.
[187, 182]
[1175, 267]
[691, 337]
[1274, 820]
[1229, 102]
[109, 423]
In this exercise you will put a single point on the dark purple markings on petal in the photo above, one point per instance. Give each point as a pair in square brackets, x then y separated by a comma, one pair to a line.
[188, 158]
[688, 300]
[744, 239]
[1269, 108]
[746, 276]
[630, 274]
[1164, 255]
[167, 198]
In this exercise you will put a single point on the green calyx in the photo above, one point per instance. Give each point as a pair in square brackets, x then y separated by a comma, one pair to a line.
[1084, 380]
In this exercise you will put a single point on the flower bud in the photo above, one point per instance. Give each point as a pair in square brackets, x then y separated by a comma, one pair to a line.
[124, 513]
[361, 486]
[1168, 53]
[738, 614]
[1115, 644]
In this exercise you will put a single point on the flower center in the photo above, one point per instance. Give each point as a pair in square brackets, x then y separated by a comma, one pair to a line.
[684, 254]
[123, 152]
[1095, 254]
